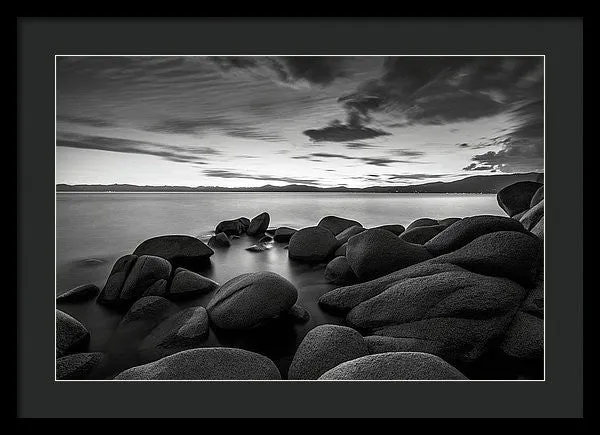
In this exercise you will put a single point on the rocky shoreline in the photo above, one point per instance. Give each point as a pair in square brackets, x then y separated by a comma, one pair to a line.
[442, 299]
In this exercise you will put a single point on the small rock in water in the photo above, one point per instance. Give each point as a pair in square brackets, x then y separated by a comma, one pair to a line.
[219, 240]
[283, 234]
[81, 293]
[265, 239]
[259, 224]
[259, 247]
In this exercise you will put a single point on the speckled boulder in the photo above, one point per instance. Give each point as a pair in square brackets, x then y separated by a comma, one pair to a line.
[179, 250]
[517, 197]
[259, 224]
[283, 234]
[71, 335]
[298, 313]
[349, 232]
[422, 222]
[312, 244]
[532, 216]
[421, 235]
[341, 251]
[219, 240]
[394, 366]
[537, 196]
[383, 344]
[251, 299]
[337, 224]
[78, 294]
[395, 229]
[338, 271]
[186, 283]
[525, 337]
[230, 228]
[216, 363]
[78, 365]
[325, 347]
[538, 230]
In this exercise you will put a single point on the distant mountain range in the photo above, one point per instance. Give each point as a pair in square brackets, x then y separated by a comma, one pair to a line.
[474, 184]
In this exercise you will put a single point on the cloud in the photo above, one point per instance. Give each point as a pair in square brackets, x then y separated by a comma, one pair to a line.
[475, 167]
[87, 121]
[221, 173]
[339, 132]
[407, 153]
[359, 145]
[374, 161]
[415, 176]
[196, 155]
[252, 133]
[463, 145]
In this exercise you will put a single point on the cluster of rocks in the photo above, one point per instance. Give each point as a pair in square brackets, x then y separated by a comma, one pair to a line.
[417, 301]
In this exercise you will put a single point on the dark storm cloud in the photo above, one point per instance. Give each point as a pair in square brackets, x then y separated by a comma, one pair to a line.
[314, 70]
[221, 173]
[196, 155]
[87, 121]
[339, 132]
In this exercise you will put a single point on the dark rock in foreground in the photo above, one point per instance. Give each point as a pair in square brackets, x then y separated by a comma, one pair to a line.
[251, 299]
[393, 228]
[283, 234]
[71, 335]
[78, 365]
[219, 363]
[312, 244]
[525, 337]
[259, 224]
[421, 235]
[179, 250]
[394, 366]
[538, 230]
[341, 251]
[299, 314]
[517, 197]
[421, 222]
[345, 235]
[532, 216]
[336, 224]
[79, 294]
[338, 271]
[325, 347]
[537, 196]
[383, 344]
[374, 253]
[219, 240]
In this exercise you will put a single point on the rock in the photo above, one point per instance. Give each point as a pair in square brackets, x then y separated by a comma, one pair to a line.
[448, 221]
[234, 237]
[299, 313]
[338, 271]
[230, 228]
[374, 253]
[394, 366]
[150, 309]
[312, 244]
[336, 224]
[112, 288]
[265, 239]
[148, 277]
[383, 344]
[514, 255]
[534, 302]
[341, 251]
[219, 240]
[250, 299]
[540, 178]
[525, 337]
[343, 299]
[518, 216]
[349, 232]
[537, 196]
[78, 365]
[283, 234]
[71, 335]
[216, 363]
[422, 222]
[245, 223]
[259, 247]
[78, 294]
[186, 282]
[538, 230]
[467, 230]
[259, 224]
[421, 235]
[395, 229]
[324, 348]
[462, 310]
[517, 197]
[270, 231]
[182, 330]
[180, 251]
[532, 216]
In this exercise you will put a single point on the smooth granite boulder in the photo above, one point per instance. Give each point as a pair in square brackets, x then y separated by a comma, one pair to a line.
[534, 302]
[517, 197]
[245, 223]
[532, 216]
[71, 335]
[422, 222]
[537, 196]
[219, 240]
[298, 313]
[449, 221]
[230, 228]
[283, 234]
[383, 344]
[260, 247]
[259, 224]
[325, 347]
[421, 235]
[514, 255]
[187, 283]
[525, 337]
[341, 251]
[78, 294]
[312, 244]
[336, 224]
[538, 230]
[540, 178]
[395, 229]
[394, 366]
[213, 363]
[468, 229]
[181, 330]
[345, 235]
[374, 253]
[338, 271]
[179, 250]
[150, 310]
[251, 299]
[78, 365]
[112, 288]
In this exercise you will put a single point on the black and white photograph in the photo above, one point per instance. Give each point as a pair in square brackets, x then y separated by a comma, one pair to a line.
[300, 218]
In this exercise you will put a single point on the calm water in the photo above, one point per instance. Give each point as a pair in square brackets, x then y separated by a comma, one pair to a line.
[94, 229]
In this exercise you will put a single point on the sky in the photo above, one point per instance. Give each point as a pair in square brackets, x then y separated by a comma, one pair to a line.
[324, 121]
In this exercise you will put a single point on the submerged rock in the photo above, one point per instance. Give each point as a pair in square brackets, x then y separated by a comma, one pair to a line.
[217, 363]
[71, 335]
[78, 365]
[250, 299]
[312, 244]
[517, 197]
[394, 366]
[219, 240]
[179, 250]
[78, 294]
[283, 234]
[337, 224]
[259, 224]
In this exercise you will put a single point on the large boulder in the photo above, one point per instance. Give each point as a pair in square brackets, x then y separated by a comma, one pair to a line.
[394, 366]
[540, 178]
[525, 337]
[179, 250]
[338, 271]
[230, 228]
[345, 235]
[534, 302]
[337, 224]
[216, 363]
[251, 299]
[538, 230]
[374, 253]
[421, 235]
[259, 224]
[219, 240]
[532, 216]
[514, 255]
[460, 309]
[150, 310]
[467, 230]
[312, 244]
[78, 365]
[517, 197]
[448, 221]
[325, 347]
[422, 222]
[78, 294]
[71, 335]
[112, 288]
[341, 251]
[283, 234]
[537, 196]
[393, 228]
[186, 283]
[245, 223]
